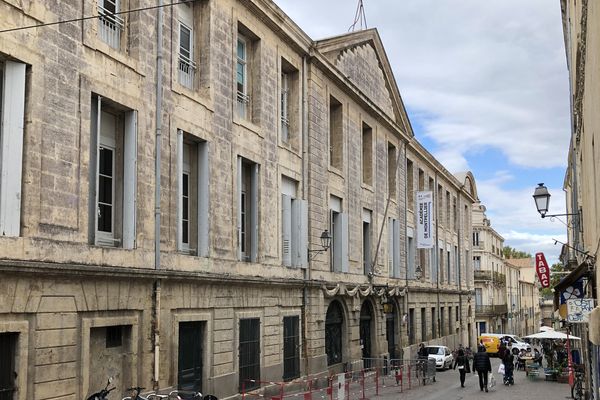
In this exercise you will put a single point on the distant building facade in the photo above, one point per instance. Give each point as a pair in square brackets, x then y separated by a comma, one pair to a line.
[196, 263]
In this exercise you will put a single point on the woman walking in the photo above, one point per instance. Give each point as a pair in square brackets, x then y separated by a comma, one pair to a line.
[462, 362]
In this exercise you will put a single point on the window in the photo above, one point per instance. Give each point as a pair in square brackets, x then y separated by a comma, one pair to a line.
[391, 170]
[366, 242]
[8, 367]
[442, 322]
[294, 225]
[243, 96]
[450, 322]
[186, 56]
[339, 235]
[334, 328]
[291, 348]
[336, 133]
[367, 154]
[432, 266]
[110, 24]
[410, 253]
[394, 247]
[410, 189]
[114, 336]
[477, 263]
[440, 265]
[433, 324]
[421, 180]
[113, 173]
[454, 215]
[475, 238]
[247, 210]
[411, 326]
[448, 215]
[249, 357]
[423, 324]
[12, 114]
[422, 262]
[466, 220]
[448, 265]
[247, 74]
[456, 277]
[478, 297]
[290, 121]
[192, 167]
[440, 204]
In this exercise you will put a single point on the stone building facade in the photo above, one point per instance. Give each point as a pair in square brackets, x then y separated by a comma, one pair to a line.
[491, 309]
[581, 28]
[161, 228]
[528, 315]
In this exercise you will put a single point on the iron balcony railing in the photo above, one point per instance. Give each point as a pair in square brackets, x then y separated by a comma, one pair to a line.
[483, 310]
[110, 27]
[483, 275]
[187, 69]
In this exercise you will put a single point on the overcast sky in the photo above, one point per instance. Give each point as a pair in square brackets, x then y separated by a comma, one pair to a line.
[486, 89]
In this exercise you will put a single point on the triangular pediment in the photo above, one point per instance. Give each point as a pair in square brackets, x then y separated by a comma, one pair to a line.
[361, 58]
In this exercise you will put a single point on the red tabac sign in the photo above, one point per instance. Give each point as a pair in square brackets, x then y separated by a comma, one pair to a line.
[542, 269]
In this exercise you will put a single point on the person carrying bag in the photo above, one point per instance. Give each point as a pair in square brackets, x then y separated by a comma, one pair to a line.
[483, 366]
[462, 362]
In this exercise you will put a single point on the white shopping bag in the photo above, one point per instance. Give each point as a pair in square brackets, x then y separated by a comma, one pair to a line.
[501, 369]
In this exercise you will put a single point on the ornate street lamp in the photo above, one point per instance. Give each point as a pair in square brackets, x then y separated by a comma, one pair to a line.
[325, 245]
[542, 202]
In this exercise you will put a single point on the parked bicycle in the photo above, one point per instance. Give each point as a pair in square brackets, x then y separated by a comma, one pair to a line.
[577, 391]
[137, 390]
[102, 394]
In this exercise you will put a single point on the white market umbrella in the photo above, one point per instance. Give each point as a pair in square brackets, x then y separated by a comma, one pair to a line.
[552, 335]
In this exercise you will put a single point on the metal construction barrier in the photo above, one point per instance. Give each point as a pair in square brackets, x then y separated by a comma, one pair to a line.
[383, 377]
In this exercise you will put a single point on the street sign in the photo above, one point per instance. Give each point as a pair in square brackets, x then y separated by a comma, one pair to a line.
[578, 310]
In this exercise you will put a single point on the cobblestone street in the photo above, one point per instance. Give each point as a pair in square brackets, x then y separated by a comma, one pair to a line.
[447, 387]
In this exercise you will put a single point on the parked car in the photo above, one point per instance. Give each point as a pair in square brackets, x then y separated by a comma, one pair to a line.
[442, 355]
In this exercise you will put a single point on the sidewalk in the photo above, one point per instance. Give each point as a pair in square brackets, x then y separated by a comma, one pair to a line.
[447, 387]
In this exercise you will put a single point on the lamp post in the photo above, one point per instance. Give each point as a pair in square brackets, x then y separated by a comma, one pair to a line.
[325, 245]
[542, 202]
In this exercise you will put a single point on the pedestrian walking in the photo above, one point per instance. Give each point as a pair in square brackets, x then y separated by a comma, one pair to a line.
[483, 366]
[462, 362]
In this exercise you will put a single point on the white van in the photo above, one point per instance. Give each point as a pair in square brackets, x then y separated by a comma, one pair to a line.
[516, 343]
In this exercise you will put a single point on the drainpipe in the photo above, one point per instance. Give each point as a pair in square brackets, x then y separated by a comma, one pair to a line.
[304, 195]
[437, 252]
[157, 169]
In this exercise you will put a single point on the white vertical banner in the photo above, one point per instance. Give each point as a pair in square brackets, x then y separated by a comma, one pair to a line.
[424, 215]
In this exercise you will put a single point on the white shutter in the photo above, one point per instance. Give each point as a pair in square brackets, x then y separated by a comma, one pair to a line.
[93, 168]
[286, 230]
[254, 214]
[11, 152]
[300, 229]
[344, 241]
[239, 209]
[179, 173]
[129, 179]
[203, 199]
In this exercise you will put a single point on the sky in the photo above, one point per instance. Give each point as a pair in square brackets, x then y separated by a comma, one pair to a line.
[485, 85]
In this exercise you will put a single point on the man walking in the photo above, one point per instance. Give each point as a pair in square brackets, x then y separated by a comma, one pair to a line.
[483, 366]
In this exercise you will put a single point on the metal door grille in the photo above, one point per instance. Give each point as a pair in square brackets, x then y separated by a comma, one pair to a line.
[291, 348]
[8, 344]
[249, 353]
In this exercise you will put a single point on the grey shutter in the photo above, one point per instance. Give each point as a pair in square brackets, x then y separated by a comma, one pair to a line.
[129, 180]
[13, 114]
[179, 180]
[239, 213]
[203, 199]
[300, 233]
[344, 241]
[93, 168]
[396, 239]
[390, 247]
[286, 230]
[254, 214]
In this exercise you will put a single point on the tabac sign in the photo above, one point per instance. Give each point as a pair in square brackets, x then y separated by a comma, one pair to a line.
[543, 272]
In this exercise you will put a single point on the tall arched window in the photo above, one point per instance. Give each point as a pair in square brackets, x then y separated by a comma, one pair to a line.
[334, 322]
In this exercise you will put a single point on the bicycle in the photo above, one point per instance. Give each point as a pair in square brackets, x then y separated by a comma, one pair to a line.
[137, 396]
[577, 391]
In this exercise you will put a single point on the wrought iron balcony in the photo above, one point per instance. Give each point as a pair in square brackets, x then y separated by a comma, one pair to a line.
[495, 276]
[489, 310]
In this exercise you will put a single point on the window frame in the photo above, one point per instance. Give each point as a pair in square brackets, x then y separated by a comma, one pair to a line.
[243, 97]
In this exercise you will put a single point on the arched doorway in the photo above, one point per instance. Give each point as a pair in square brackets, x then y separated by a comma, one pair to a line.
[334, 323]
[390, 331]
[366, 317]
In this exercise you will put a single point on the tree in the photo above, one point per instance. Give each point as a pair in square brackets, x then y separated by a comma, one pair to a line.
[511, 252]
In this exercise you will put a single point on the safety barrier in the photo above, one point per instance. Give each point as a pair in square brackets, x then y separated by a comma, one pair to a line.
[382, 377]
